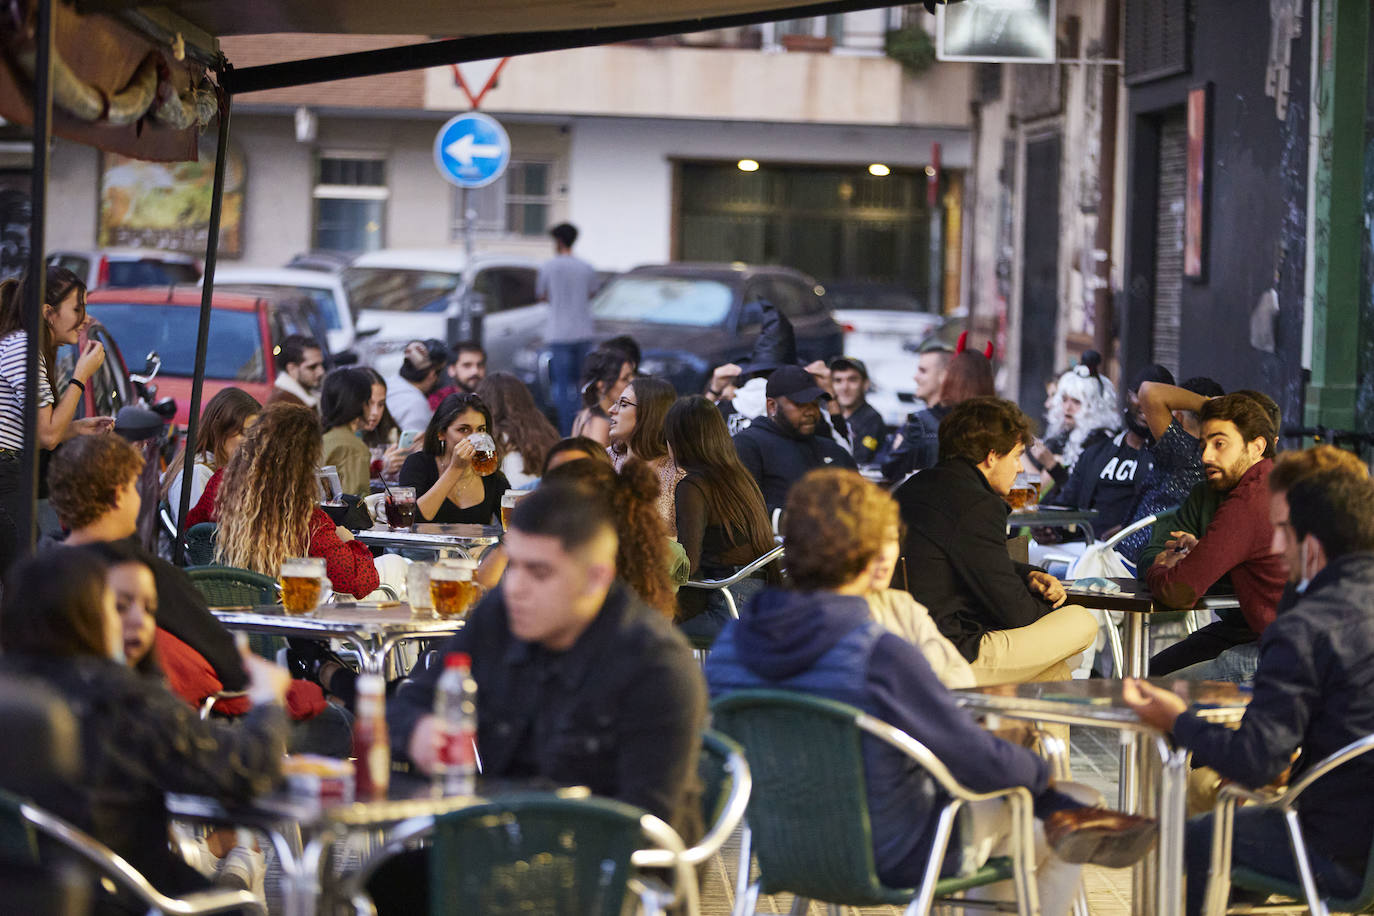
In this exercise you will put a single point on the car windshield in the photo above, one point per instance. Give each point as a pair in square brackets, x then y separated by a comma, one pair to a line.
[664, 300]
[323, 298]
[394, 289]
[235, 350]
[879, 299]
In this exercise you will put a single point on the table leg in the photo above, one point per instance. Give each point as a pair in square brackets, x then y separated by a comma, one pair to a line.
[370, 655]
[1135, 651]
[299, 887]
[1173, 817]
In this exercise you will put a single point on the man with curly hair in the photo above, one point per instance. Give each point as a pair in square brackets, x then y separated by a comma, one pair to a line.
[819, 638]
[1007, 618]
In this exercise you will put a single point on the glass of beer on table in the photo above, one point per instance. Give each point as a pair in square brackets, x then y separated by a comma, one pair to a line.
[484, 458]
[451, 587]
[302, 585]
[508, 501]
[1024, 492]
[400, 507]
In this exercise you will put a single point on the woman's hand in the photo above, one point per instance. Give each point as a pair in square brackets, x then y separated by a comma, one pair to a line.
[393, 458]
[89, 361]
[1043, 456]
[91, 426]
[460, 457]
[344, 534]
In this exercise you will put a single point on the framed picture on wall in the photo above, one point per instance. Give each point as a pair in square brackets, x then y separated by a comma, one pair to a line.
[1195, 189]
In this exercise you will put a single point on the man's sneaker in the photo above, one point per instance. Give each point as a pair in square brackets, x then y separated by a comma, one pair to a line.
[1100, 836]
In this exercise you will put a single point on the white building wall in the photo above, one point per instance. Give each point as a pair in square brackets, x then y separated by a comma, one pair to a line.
[621, 170]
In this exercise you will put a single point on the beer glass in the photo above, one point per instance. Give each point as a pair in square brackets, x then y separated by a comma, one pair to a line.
[1024, 491]
[400, 507]
[484, 455]
[417, 588]
[451, 589]
[508, 501]
[302, 584]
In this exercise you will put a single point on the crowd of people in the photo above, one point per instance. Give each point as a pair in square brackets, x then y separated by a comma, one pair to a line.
[893, 589]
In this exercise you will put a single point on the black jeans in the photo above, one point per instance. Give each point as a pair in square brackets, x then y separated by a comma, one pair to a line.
[1204, 645]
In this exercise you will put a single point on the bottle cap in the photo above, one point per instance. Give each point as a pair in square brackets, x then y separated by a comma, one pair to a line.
[458, 660]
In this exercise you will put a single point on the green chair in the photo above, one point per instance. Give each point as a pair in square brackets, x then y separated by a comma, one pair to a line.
[200, 544]
[229, 586]
[1308, 899]
[22, 823]
[808, 819]
[535, 853]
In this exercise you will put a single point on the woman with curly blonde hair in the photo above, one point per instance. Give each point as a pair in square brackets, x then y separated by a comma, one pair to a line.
[267, 508]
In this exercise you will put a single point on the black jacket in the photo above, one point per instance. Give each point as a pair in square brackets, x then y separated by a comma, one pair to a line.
[866, 432]
[1314, 690]
[138, 742]
[620, 712]
[956, 555]
[778, 459]
[919, 447]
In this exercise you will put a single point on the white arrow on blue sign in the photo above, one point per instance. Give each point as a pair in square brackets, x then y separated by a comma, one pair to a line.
[472, 150]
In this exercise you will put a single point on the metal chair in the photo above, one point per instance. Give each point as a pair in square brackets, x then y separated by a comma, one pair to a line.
[537, 853]
[1224, 872]
[808, 817]
[723, 586]
[20, 822]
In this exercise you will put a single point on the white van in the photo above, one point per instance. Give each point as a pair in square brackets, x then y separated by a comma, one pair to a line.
[326, 290]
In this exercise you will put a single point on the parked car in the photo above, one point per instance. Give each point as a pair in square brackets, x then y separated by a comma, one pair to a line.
[399, 295]
[245, 332]
[124, 267]
[689, 318]
[322, 259]
[883, 325]
[326, 290]
[113, 386]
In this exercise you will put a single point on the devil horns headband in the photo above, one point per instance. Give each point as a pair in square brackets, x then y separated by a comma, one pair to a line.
[963, 342]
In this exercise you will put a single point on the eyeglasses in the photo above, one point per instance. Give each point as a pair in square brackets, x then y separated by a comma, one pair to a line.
[625, 402]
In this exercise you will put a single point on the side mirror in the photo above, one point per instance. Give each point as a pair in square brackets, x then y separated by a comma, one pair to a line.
[150, 369]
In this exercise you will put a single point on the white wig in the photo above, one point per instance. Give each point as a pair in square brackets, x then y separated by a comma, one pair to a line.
[1100, 411]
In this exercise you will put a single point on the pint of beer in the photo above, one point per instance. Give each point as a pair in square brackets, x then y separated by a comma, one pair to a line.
[484, 459]
[508, 501]
[1024, 492]
[302, 584]
[451, 589]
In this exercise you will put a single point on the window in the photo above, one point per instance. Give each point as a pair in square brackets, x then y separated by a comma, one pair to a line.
[517, 203]
[502, 288]
[235, 351]
[350, 201]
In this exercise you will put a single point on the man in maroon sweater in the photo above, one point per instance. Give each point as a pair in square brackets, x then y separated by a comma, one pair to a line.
[1235, 434]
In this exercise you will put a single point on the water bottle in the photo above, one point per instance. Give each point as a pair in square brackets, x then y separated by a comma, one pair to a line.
[455, 706]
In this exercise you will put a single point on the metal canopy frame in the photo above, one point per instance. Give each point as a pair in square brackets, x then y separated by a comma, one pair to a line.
[284, 75]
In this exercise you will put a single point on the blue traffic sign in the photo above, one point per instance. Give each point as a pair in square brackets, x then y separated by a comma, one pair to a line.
[472, 150]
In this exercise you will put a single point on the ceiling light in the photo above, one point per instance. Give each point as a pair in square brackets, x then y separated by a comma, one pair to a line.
[748, 165]
[878, 170]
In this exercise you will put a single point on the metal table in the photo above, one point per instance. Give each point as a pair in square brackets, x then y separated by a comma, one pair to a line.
[1097, 703]
[374, 632]
[464, 540]
[303, 831]
[1053, 517]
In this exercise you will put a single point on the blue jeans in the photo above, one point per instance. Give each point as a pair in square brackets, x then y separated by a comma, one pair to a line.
[1237, 664]
[565, 376]
[1260, 842]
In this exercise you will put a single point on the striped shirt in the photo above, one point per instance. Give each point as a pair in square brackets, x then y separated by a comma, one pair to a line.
[13, 351]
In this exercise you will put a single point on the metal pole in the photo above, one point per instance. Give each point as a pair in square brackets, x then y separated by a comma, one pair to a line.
[207, 294]
[27, 523]
[470, 315]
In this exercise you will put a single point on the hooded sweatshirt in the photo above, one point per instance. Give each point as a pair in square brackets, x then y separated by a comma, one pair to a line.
[777, 458]
[825, 644]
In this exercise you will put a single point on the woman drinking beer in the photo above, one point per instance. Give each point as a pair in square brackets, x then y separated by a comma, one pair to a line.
[455, 481]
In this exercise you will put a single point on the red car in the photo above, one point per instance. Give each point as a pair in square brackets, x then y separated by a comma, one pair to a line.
[245, 334]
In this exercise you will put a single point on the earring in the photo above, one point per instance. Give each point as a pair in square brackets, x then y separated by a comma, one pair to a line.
[442, 446]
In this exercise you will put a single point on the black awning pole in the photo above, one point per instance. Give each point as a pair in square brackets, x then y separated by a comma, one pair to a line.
[37, 286]
[207, 294]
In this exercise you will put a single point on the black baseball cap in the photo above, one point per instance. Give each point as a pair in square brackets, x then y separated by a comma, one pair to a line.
[849, 362]
[795, 384]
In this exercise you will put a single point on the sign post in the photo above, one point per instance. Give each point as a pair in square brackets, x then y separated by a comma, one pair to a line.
[470, 151]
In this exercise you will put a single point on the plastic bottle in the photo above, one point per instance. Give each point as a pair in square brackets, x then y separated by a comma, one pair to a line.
[455, 706]
[371, 748]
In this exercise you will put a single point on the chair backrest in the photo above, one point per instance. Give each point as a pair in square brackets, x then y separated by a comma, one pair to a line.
[229, 586]
[200, 543]
[42, 739]
[808, 811]
[535, 853]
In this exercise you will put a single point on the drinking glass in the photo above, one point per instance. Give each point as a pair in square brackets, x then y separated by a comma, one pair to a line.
[452, 589]
[1023, 491]
[302, 584]
[484, 459]
[417, 587]
[508, 501]
[400, 507]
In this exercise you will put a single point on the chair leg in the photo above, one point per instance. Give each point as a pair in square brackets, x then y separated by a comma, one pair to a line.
[747, 904]
[800, 906]
[743, 886]
[1114, 640]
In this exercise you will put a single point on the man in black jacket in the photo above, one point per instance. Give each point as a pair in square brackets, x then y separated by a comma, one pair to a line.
[863, 423]
[1314, 691]
[1005, 617]
[778, 449]
[579, 682]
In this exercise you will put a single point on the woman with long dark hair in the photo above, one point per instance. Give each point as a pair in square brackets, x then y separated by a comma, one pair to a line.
[347, 405]
[722, 521]
[382, 436]
[63, 317]
[447, 487]
[222, 424]
[523, 434]
[604, 376]
[637, 432]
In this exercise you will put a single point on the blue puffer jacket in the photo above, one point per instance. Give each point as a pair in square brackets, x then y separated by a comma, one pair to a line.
[824, 644]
